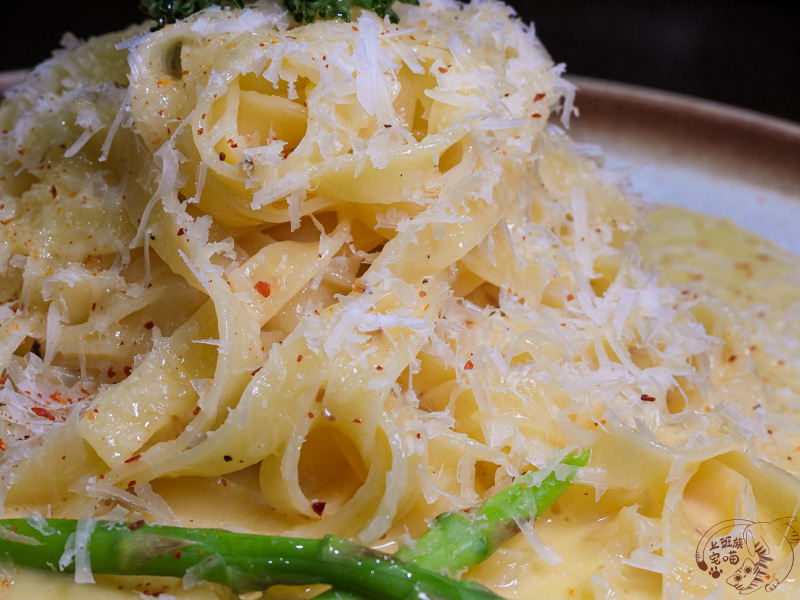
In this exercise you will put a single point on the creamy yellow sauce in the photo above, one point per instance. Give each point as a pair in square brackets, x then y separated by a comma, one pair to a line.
[433, 303]
[703, 255]
[752, 277]
[747, 272]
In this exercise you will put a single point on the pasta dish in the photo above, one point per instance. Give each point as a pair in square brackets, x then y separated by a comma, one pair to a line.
[339, 278]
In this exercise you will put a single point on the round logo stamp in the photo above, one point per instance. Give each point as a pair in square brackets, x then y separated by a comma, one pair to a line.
[749, 555]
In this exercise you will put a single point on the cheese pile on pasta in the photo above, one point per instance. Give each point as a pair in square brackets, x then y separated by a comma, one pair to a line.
[342, 277]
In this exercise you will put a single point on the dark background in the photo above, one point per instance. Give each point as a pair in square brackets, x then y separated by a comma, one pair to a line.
[738, 52]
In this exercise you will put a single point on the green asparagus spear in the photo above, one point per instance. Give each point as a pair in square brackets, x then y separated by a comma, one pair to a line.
[242, 562]
[457, 540]
[246, 562]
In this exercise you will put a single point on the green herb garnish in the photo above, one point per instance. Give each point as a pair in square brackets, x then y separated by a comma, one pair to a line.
[169, 11]
[303, 11]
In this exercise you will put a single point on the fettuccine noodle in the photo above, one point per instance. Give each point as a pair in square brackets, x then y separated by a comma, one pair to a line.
[342, 277]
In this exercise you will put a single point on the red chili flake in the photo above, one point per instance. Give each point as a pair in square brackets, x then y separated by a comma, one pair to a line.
[442, 69]
[177, 554]
[111, 372]
[196, 411]
[731, 358]
[127, 369]
[43, 412]
[299, 358]
[232, 144]
[136, 525]
[2, 446]
[646, 398]
[419, 436]
[570, 297]
[53, 191]
[149, 325]
[253, 374]
[318, 507]
[310, 415]
[356, 420]
[133, 458]
[536, 116]
[59, 398]
[422, 294]
[468, 366]
[181, 231]
[263, 288]
[200, 131]
[222, 156]
[539, 96]
[131, 483]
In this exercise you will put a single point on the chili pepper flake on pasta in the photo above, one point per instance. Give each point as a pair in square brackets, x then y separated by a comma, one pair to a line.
[339, 278]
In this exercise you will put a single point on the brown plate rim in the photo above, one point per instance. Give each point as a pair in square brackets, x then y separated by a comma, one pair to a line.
[671, 127]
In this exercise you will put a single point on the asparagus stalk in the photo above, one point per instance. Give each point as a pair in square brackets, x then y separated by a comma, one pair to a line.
[247, 562]
[243, 562]
[457, 540]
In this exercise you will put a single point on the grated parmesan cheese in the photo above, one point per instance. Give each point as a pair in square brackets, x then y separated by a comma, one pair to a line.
[363, 243]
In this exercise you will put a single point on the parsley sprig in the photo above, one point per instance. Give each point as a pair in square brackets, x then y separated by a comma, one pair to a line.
[303, 11]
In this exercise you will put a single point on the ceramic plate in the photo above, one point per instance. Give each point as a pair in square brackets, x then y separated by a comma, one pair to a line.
[699, 154]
